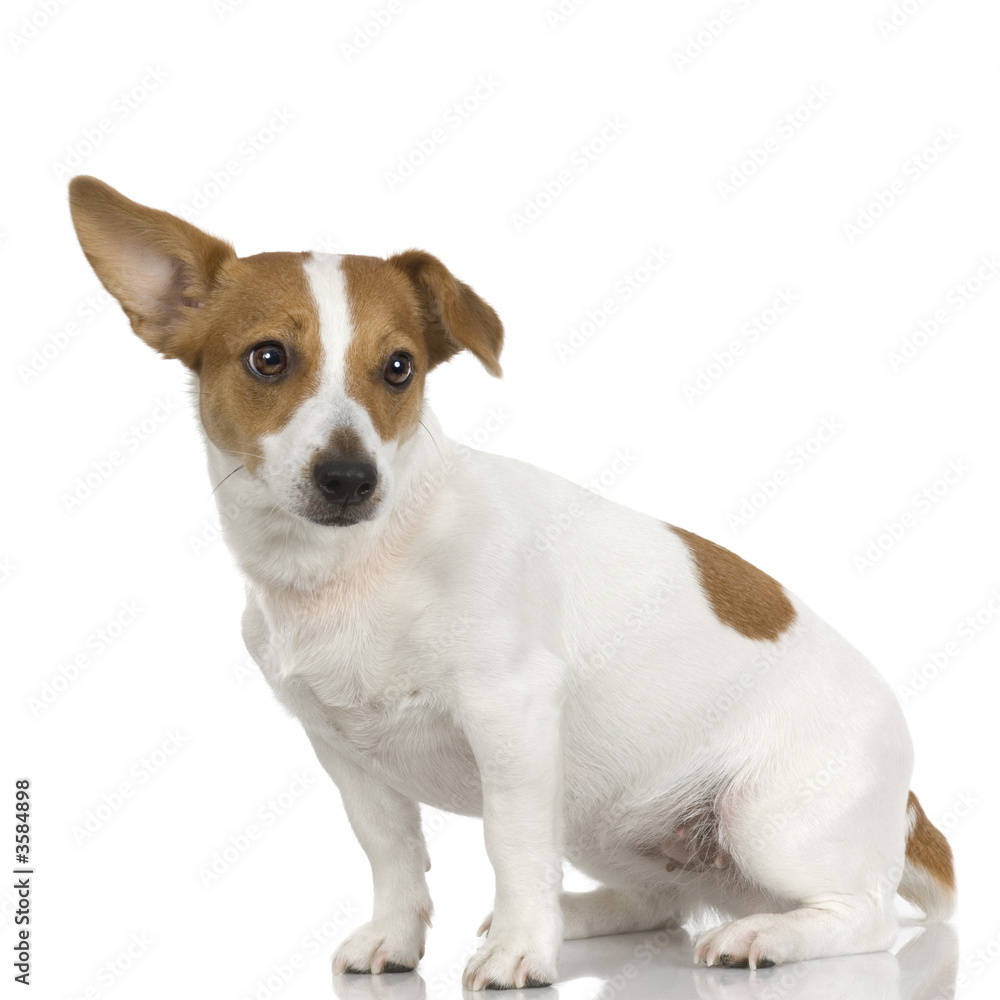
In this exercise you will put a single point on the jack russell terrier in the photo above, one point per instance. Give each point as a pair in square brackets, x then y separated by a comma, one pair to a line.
[466, 630]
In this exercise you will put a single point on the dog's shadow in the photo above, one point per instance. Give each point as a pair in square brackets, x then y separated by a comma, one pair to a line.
[657, 966]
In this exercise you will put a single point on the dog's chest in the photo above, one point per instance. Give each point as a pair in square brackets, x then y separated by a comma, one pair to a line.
[356, 675]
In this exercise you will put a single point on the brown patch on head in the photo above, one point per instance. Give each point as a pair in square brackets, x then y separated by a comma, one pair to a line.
[453, 315]
[742, 596]
[412, 304]
[385, 320]
[927, 848]
[259, 299]
[190, 297]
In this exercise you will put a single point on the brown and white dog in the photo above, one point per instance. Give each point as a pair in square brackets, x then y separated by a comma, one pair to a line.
[465, 630]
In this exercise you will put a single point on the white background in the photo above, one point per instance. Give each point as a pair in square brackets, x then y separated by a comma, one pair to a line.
[315, 126]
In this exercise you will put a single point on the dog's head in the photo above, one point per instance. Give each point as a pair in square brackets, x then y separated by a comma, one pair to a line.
[310, 367]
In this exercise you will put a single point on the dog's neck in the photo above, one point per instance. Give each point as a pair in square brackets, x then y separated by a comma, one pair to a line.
[279, 551]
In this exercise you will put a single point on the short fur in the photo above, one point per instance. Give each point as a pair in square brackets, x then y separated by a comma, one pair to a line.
[464, 630]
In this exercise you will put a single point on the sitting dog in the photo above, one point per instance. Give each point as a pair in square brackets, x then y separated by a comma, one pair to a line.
[465, 630]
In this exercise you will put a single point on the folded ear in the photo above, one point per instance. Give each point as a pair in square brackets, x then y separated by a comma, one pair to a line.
[454, 316]
[160, 268]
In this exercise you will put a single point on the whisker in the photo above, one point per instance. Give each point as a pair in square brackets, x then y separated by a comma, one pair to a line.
[224, 478]
[434, 439]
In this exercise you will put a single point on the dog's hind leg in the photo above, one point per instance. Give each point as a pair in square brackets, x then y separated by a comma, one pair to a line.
[833, 857]
[610, 911]
[607, 910]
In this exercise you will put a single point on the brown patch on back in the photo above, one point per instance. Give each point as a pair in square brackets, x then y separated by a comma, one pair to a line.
[260, 298]
[927, 848]
[742, 596]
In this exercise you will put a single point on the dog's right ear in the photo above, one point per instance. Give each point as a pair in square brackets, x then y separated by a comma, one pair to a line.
[454, 316]
[160, 268]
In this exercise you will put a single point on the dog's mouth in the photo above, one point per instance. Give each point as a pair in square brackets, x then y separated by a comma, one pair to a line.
[330, 515]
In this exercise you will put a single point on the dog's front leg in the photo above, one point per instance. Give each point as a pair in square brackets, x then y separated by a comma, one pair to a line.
[387, 826]
[514, 731]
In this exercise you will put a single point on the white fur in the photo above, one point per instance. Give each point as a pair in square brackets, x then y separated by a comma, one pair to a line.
[495, 641]
[287, 452]
[500, 642]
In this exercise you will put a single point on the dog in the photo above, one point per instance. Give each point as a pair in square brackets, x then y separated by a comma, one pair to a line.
[466, 630]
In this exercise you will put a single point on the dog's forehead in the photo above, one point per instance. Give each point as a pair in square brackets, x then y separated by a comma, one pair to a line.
[363, 304]
[367, 310]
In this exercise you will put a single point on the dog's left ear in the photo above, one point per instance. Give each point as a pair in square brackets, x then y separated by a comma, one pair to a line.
[454, 316]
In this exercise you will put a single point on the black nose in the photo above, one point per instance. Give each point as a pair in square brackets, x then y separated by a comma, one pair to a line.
[345, 481]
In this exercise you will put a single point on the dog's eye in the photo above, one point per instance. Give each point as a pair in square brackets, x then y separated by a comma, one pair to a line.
[398, 369]
[267, 360]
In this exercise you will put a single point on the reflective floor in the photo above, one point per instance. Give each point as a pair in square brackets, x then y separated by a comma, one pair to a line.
[658, 967]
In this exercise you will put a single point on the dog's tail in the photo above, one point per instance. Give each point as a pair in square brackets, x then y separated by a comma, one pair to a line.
[928, 876]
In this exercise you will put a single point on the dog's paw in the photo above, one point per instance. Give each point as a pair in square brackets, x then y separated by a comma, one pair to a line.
[509, 962]
[383, 946]
[751, 943]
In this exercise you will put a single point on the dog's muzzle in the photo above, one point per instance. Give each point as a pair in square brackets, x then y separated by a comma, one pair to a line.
[346, 491]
